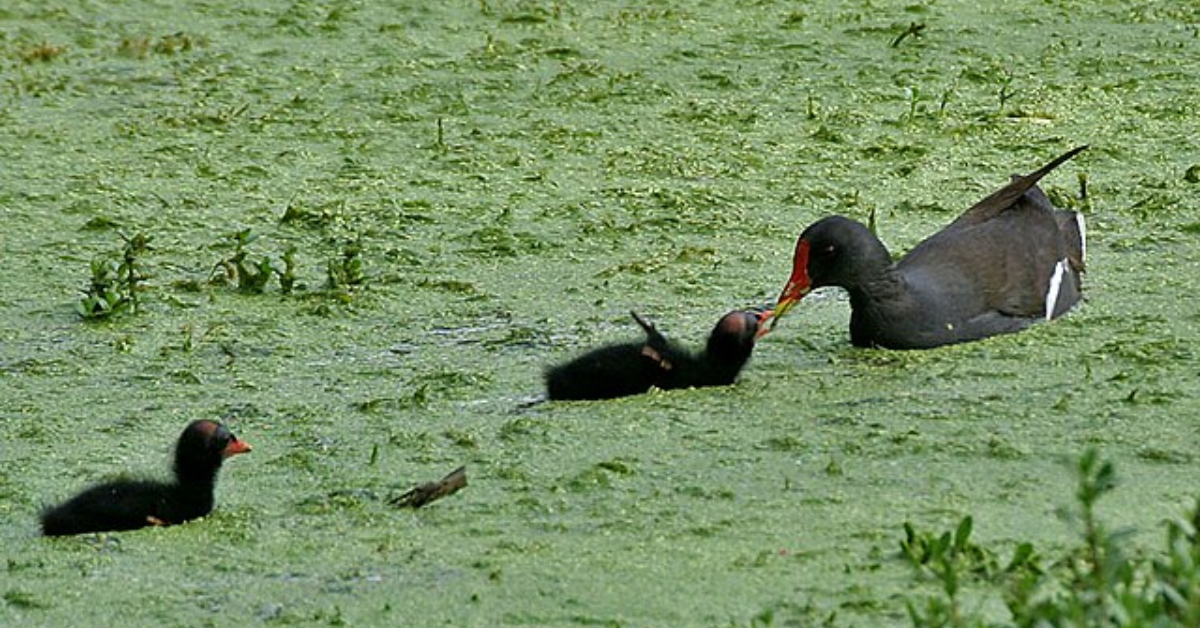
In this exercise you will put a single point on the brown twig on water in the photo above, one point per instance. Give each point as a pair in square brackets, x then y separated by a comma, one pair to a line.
[432, 491]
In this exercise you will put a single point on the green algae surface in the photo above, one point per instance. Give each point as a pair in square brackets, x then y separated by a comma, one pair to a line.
[474, 190]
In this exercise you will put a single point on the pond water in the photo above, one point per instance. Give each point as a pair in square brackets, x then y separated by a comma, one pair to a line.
[513, 178]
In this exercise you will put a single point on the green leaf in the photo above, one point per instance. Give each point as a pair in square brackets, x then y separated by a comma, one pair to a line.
[963, 534]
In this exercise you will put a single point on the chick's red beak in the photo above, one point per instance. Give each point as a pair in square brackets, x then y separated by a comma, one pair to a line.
[798, 286]
[235, 447]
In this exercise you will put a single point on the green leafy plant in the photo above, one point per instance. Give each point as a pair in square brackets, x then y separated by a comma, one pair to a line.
[1177, 572]
[346, 271]
[951, 558]
[239, 269]
[1007, 91]
[115, 283]
[1096, 585]
[287, 277]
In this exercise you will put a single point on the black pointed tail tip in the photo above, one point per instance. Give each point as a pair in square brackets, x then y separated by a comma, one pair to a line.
[1077, 150]
[1074, 151]
[646, 325]
[1058, 161]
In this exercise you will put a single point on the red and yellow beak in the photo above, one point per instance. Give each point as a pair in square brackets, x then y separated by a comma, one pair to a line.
[761, 318]
[236, 447]
[798, 286]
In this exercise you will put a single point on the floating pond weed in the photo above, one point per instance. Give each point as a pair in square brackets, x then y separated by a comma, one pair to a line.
[687, 141]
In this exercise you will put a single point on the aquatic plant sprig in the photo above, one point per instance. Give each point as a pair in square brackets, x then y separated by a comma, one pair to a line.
[1097, 584]
[250, 276]
[1007, 91]
[345, 271]
[115, 284]
[949, 558]
[42, 53]
[287, 276]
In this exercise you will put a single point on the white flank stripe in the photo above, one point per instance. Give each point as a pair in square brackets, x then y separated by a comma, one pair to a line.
[1055, 285]
[1082, 236]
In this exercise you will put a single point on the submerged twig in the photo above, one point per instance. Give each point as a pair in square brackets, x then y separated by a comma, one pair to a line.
[426, 493]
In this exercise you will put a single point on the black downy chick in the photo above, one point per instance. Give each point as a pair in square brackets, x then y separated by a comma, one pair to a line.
[131, 504]
[632, 368]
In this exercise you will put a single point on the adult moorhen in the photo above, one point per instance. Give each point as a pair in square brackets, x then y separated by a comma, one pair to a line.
[130, 504]
[1006, 263]
[632, 368]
